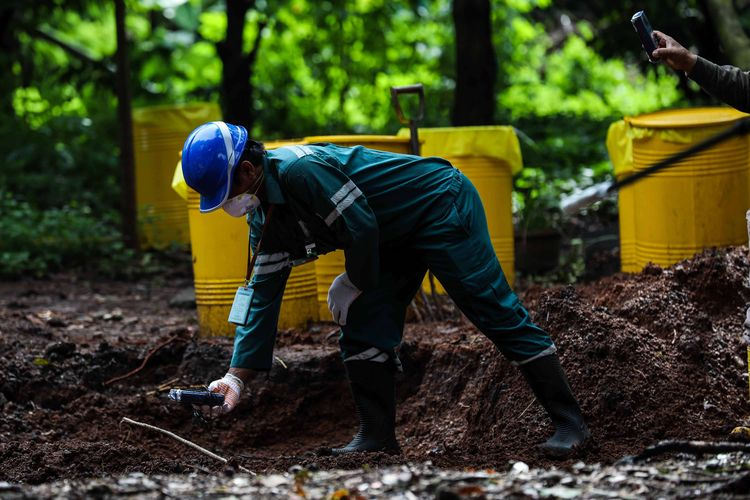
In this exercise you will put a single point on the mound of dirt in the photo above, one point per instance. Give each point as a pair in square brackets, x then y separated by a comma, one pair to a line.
[651, 356]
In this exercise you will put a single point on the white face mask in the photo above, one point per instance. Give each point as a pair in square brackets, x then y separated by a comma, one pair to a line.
[241, 204]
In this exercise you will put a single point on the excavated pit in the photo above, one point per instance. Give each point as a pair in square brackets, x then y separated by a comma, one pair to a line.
[651, 356]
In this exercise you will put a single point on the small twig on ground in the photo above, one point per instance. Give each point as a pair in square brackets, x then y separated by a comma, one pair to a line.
[164, 386]
[184, 441]
[145, 360]
[692, 447]
[281, 362]
[525, 410]
[168, 383]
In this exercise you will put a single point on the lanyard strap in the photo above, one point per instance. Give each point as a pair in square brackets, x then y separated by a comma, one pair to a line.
[251, 256]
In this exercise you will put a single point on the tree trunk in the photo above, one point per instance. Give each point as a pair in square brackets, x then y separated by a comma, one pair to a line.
[734, 39]
[236, 87]
[125, 123]
[476, 66]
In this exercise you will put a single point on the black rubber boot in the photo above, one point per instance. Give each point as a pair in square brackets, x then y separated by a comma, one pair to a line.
[373, 390]
[550, 386]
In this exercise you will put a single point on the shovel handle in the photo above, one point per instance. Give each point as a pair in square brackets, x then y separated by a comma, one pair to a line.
[416, 88]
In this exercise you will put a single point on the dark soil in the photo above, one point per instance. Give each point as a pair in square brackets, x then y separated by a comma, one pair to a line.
[651, 356]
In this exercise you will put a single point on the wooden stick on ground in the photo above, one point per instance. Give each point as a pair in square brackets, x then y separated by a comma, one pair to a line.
[184, 441]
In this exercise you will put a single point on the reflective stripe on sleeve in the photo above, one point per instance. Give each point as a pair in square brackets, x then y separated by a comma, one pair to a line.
[341, 193]
[301, 151]
[270, 263]
[271, 257]
[342, 199]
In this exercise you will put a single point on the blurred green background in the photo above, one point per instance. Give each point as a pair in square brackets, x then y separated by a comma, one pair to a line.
[558, 71]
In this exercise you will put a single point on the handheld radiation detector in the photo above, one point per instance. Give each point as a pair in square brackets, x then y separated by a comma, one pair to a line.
[645, 33]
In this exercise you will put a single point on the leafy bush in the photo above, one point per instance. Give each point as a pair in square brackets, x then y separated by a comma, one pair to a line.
[51, 156]
[562, 95]
[560, 153]
[37, 242]
[575, 80]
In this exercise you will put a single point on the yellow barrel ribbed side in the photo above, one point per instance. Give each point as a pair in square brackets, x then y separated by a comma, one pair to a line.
[626, 209]
[299, 305]
[219, 244]
[332, 264]
[699, 202]
[158, 135]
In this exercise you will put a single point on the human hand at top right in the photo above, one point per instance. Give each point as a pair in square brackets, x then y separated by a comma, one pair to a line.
[673, 54]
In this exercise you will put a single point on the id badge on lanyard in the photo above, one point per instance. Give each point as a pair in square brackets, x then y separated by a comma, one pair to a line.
[240, 312]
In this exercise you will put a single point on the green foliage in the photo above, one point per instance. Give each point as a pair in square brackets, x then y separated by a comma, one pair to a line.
[37, 242]
[575, 80]
[66, 159]
[324, 67]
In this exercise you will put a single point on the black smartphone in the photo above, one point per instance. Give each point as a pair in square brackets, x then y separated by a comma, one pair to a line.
[646, 33]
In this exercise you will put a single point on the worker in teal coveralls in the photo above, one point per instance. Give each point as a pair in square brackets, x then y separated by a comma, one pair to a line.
[395, 216]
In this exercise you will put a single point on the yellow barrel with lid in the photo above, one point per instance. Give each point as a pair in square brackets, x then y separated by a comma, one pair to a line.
[219, 244]
[158, 135]
[330, 265]
[697, 203]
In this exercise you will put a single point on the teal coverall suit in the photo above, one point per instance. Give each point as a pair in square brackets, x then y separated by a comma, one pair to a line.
[395, 216]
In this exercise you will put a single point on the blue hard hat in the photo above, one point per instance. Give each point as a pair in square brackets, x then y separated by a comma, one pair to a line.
[209, 157]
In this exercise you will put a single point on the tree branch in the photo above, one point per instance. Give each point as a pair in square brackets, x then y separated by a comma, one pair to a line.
[70, 49]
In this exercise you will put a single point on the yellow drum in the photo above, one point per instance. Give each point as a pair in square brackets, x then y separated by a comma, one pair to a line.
[158, 135]
[330, 265]
[626, 215]
[488, 156]
[219, 244]
[620, 148]
[696, 204]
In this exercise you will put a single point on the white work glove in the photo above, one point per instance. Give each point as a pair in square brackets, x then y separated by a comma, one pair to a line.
[231, 387]
[340, 296]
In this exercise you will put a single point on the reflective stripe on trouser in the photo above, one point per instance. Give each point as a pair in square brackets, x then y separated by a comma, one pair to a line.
[375, 322]
[455, 245]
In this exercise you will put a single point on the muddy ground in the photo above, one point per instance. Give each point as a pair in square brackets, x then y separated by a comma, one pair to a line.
[651, 356]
